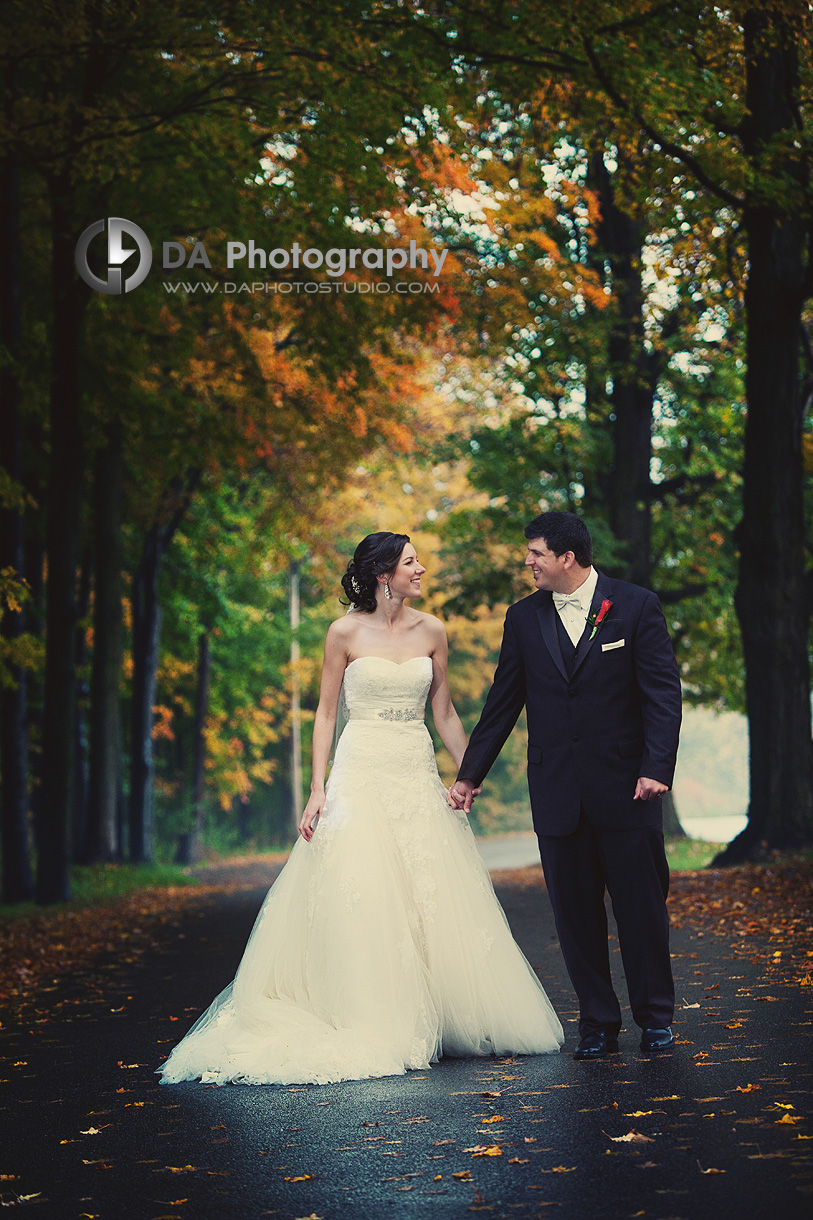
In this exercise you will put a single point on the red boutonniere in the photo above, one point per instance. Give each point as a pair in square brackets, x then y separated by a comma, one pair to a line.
[595, 620]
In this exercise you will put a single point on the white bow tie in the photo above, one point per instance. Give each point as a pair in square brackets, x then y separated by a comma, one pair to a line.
[560, 600]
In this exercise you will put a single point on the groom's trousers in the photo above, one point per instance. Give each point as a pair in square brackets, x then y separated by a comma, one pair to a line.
[631, 864]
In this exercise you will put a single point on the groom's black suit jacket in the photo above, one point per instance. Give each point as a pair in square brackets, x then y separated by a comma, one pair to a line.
[591, 732]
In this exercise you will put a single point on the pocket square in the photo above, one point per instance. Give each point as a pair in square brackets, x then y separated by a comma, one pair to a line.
[614, 644]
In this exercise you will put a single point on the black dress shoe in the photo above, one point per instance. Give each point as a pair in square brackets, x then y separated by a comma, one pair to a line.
[657, 1039]
[596, 1045]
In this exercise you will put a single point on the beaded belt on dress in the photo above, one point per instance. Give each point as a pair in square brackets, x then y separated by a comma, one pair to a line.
[402, 714]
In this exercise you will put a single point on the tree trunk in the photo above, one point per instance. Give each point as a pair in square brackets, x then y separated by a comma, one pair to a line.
[101, 839]
[146, 635]
[64, 499]
[620, 241]
[34, 542]
[17, 878]
[190, 843]
[770, 598]
[79, 801]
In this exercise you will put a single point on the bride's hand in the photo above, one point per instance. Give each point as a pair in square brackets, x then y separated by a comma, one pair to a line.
[313, 810]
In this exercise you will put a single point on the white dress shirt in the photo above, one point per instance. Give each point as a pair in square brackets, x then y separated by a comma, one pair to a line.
[573, 608]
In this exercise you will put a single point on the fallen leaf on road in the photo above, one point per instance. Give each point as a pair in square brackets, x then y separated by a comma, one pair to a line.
[302, 1177]
[632, 1137]
[747, 1088]
[788, 1120]
[485, 1150]
[463, 1176]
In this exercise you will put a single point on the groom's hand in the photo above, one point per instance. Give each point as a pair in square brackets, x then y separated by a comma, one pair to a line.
[462, 793]
[649, 789]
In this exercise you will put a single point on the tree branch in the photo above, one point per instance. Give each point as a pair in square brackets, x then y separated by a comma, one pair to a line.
[667, 146]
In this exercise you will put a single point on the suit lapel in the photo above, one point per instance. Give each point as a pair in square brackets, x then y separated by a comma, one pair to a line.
[546, 611]
[604, 587]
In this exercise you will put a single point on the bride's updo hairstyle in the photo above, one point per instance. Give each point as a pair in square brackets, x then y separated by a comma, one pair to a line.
[374, 555]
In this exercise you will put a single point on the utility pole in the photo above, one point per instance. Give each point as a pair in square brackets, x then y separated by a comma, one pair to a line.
[297, 802]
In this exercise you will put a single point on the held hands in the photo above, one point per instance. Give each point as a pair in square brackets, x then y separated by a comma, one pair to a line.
[649, 789]
[462, 793]
[313, 810]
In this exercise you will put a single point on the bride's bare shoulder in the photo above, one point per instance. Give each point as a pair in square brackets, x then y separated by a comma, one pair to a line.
[343, 629]
[430, 623]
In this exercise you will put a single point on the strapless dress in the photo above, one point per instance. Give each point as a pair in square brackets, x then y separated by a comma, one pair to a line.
[381, 945]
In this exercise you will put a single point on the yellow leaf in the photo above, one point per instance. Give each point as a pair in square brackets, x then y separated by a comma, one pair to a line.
[302, 1177]
[485, 1150]
[638, 1113]
[788, 1120]
[495, 1118]
[632, 1137]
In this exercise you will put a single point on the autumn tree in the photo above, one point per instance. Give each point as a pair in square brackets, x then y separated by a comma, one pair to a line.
[102, 101]
[722, 95]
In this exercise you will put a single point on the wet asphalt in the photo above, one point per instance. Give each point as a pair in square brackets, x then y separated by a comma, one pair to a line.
[718, 1127]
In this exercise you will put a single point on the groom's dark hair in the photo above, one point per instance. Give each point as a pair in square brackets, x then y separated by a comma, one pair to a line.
[563, 532]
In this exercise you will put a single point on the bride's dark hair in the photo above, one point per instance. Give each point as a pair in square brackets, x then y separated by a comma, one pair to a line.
[375, 554]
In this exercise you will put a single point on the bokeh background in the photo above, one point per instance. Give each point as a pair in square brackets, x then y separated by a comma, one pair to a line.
[620, 194]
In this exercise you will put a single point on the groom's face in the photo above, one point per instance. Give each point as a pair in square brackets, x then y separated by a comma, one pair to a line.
[549, 570]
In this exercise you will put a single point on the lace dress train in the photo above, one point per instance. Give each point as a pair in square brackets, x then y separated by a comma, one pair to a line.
[381, 945]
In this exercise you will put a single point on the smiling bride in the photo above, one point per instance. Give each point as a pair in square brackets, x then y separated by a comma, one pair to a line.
[381, 946]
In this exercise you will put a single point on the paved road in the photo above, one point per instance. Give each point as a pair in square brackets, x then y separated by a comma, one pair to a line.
[517, 850]
[696, 1133]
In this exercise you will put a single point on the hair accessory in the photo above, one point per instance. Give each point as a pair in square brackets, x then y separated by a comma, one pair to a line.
[387, 593]
[355, 586]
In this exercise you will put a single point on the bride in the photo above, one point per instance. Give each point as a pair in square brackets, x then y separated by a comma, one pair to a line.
[381, 946]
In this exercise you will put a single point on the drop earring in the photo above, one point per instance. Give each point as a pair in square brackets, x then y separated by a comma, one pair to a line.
[387, 593]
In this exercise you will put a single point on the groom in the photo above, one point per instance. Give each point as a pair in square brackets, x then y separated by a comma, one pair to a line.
[591, 659]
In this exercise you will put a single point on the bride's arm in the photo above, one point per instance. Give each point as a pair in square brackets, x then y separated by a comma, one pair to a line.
[447, 721]
[324, 723]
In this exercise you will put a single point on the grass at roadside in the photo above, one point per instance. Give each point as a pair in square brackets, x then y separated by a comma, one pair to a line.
[97, 884]
[685, 854]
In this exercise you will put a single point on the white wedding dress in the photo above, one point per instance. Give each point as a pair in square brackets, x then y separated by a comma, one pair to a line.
[381, 946]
